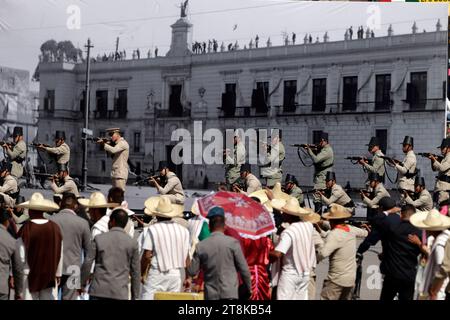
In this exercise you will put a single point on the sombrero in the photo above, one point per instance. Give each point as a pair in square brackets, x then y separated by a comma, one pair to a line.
[430, 220]
[337, 212]
[97, 200]
[263, 199]
[38, 203]
[162, 206]
[291, 207]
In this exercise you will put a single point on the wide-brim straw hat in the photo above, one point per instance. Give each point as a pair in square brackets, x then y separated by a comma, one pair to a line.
[97, 200]
[290, 206]
[39, 203]
[430, 220]
[278, 193]
[162, 206]
[263, 199]
[336, 212]
[312, 217]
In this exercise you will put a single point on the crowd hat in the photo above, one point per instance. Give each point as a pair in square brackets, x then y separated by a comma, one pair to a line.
[312, 217]
[111, 131]
[97, 200]
[262, 197]
[430, 220]
[330, 176]
[161, 206]
[278, 193]
[290, 206]
[60, 135]
[37, 202]
[337, 211]
[408, 140]
[18, 131]
[215, 212]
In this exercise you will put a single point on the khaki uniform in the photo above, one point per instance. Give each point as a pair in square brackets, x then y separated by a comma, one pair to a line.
[443, 169]
[273, 171]
[173, 189]
[69, 186]
[323, 162]
[297, 193]
[252, 183]
[444, 271]
[377, 165]
[379, 193]
[409, 167]
[233, 165]
[423, 203]
[8, 188]
[119, 170]
[339, 196]
[62, 153]
[17, 155]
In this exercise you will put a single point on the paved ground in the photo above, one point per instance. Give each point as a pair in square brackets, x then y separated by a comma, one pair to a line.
[371, 280]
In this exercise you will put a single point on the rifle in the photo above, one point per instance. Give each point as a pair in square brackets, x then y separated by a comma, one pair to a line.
[356, 159]
[37, 145]
[412, 194]
[6, 143]
[304, 145]
[389, 159]
[314, 191]
[428, 154]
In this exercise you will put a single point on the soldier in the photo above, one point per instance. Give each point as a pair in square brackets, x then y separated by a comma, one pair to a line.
[407, 169]
[9, 189]
[233, 162]
[337, 193]
[271, 170]
[377, 194]
[61, 150]
[119, 152]
[173, 188]
[442, 187]
[423, 200]
[323, 162]
[377, 164]
[17, 152]
[291, 188]
[251, 183]
[69, 185]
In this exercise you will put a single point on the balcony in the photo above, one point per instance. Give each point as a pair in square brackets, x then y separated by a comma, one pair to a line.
[110, 114]
[166, 113]
[242, 112]
[60, 113]
[334, 108]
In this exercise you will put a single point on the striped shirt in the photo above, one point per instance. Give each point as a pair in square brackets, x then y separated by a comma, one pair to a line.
[169, 242]
[297, 244]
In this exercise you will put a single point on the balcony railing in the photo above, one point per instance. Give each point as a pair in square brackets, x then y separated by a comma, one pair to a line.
[60, 113]
[368, 106]
[242, 112]
[110, 114]
[166, 113]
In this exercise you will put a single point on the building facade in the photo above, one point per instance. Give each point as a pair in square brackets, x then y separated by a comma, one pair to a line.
[388, 87]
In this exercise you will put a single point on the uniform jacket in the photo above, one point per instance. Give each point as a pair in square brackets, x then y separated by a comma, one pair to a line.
[377, 165]
[409, 166]
[120, 154]
[9, 256]
[423, 203]
[69, 186]
[379, 193]
[338, 195]
[62, 153]
[233, 165]
[19, 152]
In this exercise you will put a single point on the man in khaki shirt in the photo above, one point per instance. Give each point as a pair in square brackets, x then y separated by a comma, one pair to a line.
[252, 183]
[173, 188]
[340, 247]
[69, 185]
[337, 193]
[377, 164]
[9, 189]
[440, 276]
[17, 153]
[234, 161]
[271, 169]
[423, 201]
[378, 192]
[120, 152]
[291, 188]
[442, 167]
[61, 150]
[407, 169]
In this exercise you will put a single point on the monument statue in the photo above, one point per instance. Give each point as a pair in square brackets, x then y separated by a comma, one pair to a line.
[183, 7]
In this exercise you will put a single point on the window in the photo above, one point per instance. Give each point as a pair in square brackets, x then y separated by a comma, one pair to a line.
[290, 90]
[383, 92]
[260, 97]
[121, 103]
[137, 142]
[316, 135]
[49, 101]
[350, 93]
[175, 106]
[102, 104]
[229, 100]
[319, 95]
[417, 90]
[83, 101]
[381, 134]
[103, 165]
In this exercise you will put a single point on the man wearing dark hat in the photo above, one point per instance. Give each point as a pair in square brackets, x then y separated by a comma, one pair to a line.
[337, 193]
[323, 162]
[274, 156]
[252, 183]
[61, 149]
[407, 169]
[443, 169]
[173, 188]
[423, 200]
[120, 152]
[378, 193]
[18, 153]
[9, 188]
[234, 161]
[291, 188]
[377, 163]
[69, 185]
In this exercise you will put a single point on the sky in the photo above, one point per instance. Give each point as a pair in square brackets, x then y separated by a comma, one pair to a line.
[144, 24]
